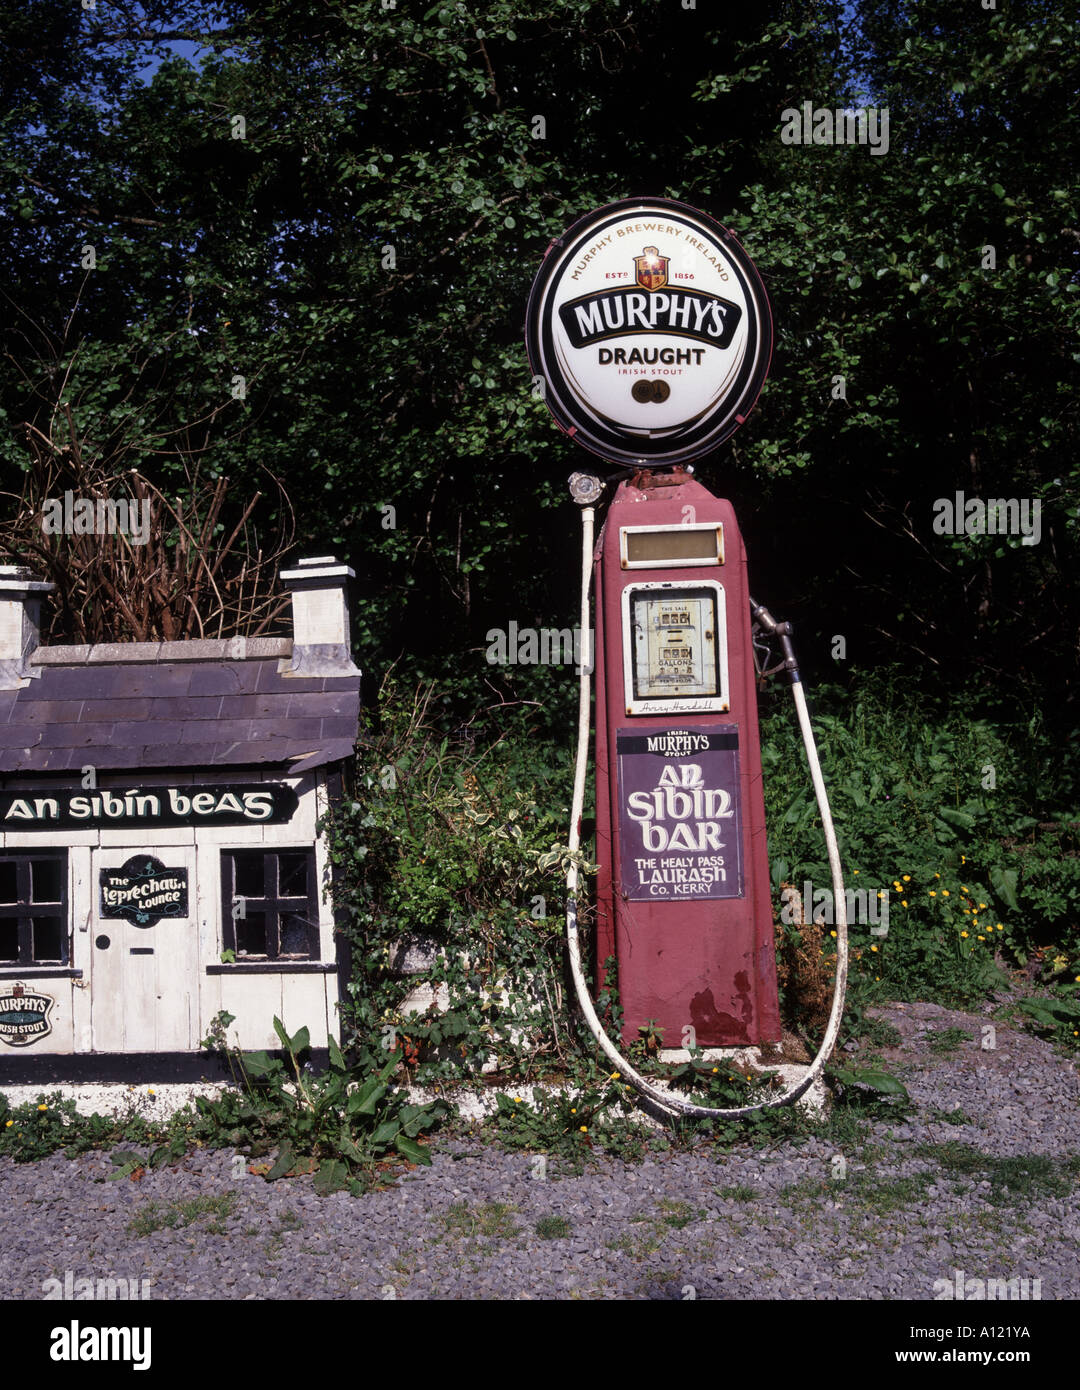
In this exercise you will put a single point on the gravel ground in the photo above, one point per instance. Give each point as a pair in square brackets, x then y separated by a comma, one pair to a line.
[858, 1212]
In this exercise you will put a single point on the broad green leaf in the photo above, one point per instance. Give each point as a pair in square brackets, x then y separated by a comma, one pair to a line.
[286, 1160]
[411, 1150]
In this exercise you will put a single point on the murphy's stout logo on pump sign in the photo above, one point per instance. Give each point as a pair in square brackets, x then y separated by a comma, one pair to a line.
[650, 332]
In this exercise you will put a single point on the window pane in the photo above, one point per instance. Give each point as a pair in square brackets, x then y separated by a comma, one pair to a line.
[293, 875]
[48, 938]
[295, 935]
[45, 879]
[9, 938]
[9, 881]
[251, 934]
[249, 875]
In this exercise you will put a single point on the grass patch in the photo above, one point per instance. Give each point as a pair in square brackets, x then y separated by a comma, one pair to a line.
[946, 1041]
[876, 1195]
[877, 1031]
[678, 1214]
[552, 1228]
[1018, 1178]
[288, 1221]
[741, 1192]
[161, 1216]
[639, 1244]
[492, 1219]
[886, 1195]
[952, 1117]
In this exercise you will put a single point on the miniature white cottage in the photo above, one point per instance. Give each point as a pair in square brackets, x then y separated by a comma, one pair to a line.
[159, 857]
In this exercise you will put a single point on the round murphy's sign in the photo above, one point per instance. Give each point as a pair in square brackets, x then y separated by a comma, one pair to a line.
[650, 331]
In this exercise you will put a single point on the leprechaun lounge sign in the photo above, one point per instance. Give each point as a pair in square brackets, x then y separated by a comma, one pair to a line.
[143, 891]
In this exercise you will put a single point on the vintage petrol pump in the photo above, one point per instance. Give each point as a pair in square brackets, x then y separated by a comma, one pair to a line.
[649, 334]
[683, 894]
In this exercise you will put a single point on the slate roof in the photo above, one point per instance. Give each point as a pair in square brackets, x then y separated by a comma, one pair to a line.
[176, 705]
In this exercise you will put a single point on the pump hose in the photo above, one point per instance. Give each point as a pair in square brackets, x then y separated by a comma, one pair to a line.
[662, 1098]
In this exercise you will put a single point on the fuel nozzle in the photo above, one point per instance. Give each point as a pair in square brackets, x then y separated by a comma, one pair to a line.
[765, 621]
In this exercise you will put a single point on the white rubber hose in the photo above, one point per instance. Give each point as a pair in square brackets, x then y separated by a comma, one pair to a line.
[663, 1098]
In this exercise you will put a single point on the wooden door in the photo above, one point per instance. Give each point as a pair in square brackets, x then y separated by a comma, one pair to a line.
[144, 950]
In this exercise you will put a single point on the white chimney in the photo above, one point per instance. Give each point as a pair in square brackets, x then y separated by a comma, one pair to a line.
[320, 617]
[20, 623]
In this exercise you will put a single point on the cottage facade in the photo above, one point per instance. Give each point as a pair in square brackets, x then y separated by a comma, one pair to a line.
[160, 856]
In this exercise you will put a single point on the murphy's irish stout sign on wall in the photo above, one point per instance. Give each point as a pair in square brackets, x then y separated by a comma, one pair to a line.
[649, 332]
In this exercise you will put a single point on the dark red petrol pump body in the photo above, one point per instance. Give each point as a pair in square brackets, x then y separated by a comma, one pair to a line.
[683, 892]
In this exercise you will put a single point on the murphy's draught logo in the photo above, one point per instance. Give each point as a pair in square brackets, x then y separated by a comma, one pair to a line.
[649, 332]
[689, 314]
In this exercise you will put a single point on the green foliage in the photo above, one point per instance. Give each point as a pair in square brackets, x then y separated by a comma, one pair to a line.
[170, 1216]
[362, 258]
[553, 1228]
[969, 871]
[493, 1220]
[571, 1126]
[35, 1129]
[347, 1125]
[945, 1042]
[457, 845]
[868, 1079]
[1012, 1179]
[1056, 1017]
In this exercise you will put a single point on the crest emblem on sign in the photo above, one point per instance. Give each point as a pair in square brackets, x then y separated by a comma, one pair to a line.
[651, 269]
[24, 1015]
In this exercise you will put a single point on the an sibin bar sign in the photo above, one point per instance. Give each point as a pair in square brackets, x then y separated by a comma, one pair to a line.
[680, 831]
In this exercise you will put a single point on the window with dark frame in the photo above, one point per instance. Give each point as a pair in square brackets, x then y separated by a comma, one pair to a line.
[270, 904]
[33, 907]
